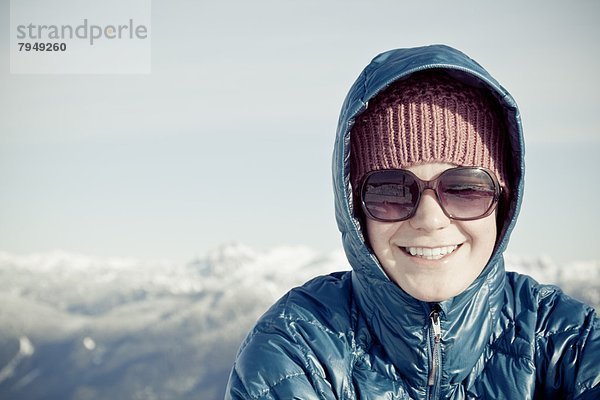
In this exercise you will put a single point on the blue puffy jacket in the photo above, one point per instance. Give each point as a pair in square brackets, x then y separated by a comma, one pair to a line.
[357, 335]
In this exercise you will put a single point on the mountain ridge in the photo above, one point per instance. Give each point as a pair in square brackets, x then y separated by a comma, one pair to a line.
[81, 327]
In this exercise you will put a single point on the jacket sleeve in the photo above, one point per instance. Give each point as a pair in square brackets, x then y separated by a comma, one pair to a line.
[569, 350]
[272, 365]
[587, 379]
[290, 354]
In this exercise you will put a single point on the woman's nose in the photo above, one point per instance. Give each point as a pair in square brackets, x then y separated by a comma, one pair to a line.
[429, 215]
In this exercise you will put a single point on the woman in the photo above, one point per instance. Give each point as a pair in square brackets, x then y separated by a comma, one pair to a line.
[428, 179]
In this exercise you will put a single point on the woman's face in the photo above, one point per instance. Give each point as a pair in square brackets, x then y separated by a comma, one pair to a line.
[448, 255]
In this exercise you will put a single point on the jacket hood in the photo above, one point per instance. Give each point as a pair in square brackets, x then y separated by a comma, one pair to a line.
[380, 298]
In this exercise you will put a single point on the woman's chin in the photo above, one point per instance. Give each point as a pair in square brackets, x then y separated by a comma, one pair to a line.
[430, 292]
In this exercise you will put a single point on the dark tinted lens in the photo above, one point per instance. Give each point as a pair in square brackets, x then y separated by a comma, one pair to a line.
[466, 193]
[390, 195]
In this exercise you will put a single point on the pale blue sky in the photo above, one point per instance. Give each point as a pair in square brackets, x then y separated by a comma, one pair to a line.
[230, 137]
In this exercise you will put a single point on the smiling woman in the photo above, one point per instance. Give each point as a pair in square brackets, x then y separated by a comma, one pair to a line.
[428, 180]
[429, 255]
[417, 132]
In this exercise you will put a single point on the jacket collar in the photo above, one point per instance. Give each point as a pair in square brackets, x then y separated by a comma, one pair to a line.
[401, 325]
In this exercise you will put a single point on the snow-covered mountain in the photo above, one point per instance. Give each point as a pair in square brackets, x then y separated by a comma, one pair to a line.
[79, 327]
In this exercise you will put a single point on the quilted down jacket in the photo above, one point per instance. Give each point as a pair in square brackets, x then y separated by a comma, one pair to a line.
[357, 335]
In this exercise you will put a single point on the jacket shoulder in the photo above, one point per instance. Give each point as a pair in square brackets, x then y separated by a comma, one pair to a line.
[553, 311]
[564, 334]
[299, 344]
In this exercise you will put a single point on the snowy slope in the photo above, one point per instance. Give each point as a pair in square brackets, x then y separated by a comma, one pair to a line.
[78, 327]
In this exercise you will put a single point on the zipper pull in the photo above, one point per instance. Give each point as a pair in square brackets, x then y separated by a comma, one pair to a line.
[437, 337]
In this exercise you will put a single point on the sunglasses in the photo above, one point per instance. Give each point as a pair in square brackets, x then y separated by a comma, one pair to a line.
[463, 193]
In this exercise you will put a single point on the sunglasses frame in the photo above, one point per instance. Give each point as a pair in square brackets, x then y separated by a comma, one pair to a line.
[431, 184]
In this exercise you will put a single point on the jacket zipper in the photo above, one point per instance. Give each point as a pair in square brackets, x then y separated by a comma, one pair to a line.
[436, 330]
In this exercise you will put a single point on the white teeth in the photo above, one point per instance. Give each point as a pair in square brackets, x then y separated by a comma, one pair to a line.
[431, 253]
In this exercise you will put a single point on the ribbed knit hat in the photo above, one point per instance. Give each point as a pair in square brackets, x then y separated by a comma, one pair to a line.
[428, 118]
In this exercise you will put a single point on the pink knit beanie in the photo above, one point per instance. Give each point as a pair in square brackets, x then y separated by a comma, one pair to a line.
[428, 118]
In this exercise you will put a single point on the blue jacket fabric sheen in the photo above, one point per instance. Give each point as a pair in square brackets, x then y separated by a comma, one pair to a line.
[357, 335]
